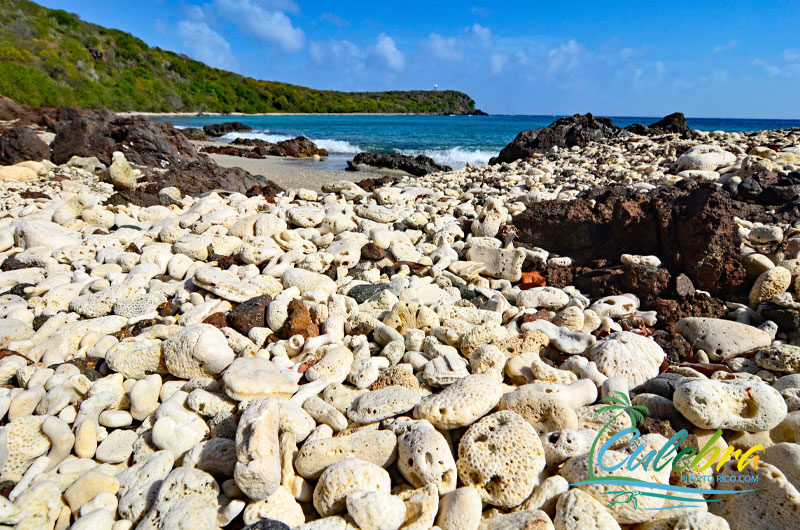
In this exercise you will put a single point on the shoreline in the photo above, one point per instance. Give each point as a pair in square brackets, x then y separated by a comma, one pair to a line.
[286, 171]
[222, 115]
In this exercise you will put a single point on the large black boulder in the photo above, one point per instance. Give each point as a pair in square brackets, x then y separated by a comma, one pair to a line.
[579, 129]
[19, 144]
[378, 162]
[144, 142]
[219, 129]
[674, 123]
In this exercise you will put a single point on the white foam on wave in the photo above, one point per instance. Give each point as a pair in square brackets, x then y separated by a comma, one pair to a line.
[454, 156]
[332, 146]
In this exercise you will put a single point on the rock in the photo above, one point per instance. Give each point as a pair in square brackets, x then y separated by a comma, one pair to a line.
[186, 498]
[249, 314]
[423, 455]
[193, 133]
[138, 485]
[374, 446]
[774, 504]
[577, 510]
[299, 321]
[460, 403]
[396, 164]
[348, 477]
[258, 467]
[526, 520]
[780, 358]
[16, 174]
[737, 405]
[220, 129]
[501, 456]
[280, 506]
[674, 123]
[377, 405]
[20, 144]
[770, 283]
[87, 487]
[722, 339]
[460, 510]
[144, 143]
[691, 230]
[199, 350]
[500, 263]
[301, 147]
[632, 357]
[376, 510]
[705, 158]
[576, 469]
[577, 130]
[10, 109]
[249, 378]
[120, 172]
[544, 411]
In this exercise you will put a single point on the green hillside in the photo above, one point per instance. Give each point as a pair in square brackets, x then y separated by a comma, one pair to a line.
[50, 57]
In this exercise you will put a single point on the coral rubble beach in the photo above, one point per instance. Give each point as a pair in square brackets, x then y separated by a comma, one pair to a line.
[187, 345]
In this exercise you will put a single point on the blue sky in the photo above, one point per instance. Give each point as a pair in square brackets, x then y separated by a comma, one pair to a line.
[718, 59]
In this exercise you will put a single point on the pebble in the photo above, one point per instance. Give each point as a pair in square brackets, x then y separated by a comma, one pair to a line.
[299, 377]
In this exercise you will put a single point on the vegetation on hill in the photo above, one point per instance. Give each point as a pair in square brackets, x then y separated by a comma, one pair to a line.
[50, 57]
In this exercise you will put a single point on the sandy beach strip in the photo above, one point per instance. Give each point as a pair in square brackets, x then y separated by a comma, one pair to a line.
[285, 171]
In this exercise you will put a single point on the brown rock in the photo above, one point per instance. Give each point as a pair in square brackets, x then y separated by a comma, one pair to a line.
[19, 144]
[249, 314]
[299, 321]
[373, 252]
[217, 320]
[690, 227]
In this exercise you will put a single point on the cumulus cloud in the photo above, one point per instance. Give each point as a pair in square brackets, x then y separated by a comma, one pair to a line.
[264, 21]
[335, 54]
[791, 55]
[335, 19]
[448, 49]
[204, 44]
[482, 34]
[725, 47]
[770, 69]
[385, 52]
[564, 59]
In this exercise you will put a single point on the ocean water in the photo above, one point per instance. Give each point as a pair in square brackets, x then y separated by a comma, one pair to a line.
[451, 140]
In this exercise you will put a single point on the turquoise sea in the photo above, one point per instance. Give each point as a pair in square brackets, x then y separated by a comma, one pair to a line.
[451, 140]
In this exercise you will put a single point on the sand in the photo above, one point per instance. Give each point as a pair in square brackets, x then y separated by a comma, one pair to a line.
[287, 172]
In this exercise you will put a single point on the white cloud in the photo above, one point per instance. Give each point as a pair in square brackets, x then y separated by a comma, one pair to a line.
[386, 52]
[335, 19]
[448, 49]
[265, 21]
[335, 54]
[482, 34]
[497, 62]
[791, 55]
[724, 47]
[770, 69]
[565, 59]
[204, 44]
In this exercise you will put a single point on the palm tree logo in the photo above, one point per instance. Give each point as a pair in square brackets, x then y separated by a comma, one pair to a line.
[617, 401]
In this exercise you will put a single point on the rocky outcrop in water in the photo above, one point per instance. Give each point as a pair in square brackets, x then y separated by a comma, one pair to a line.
[674, 123]
[219, 129]
[579, 130]
[379, 162]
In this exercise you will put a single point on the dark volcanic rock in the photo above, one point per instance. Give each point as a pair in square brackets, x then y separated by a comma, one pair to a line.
[143, 142]
[299, 321]
[249, 314]
[19, 144]
[301, 147]
[690, 228]
[362, 293]
[267, 524]
[193, 133]
[10, 109]
[673, 123]
[579, 130]
[195, 178]
[375, 162]
[370, 184]
[218, 129]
